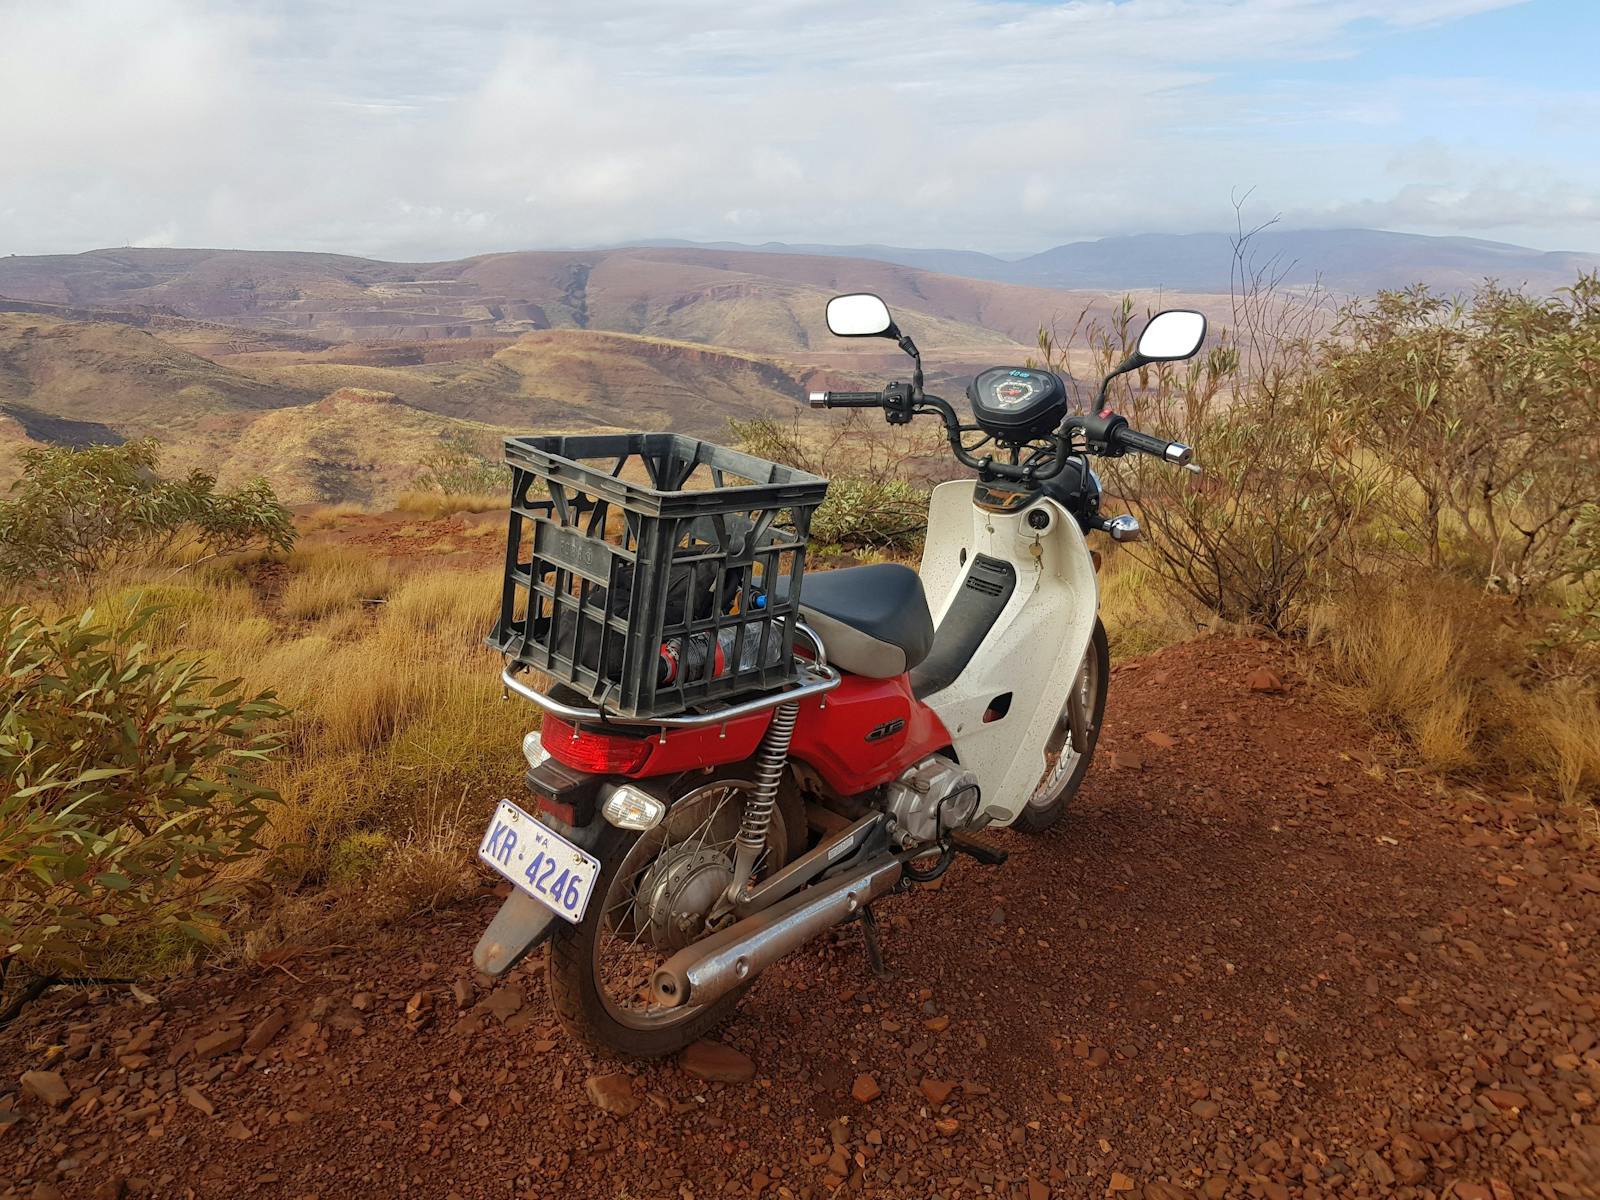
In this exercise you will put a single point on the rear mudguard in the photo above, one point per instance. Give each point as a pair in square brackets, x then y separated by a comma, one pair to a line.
[522, 922]
[517, 929]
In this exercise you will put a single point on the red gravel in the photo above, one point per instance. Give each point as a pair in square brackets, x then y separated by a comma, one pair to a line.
[1249, 964]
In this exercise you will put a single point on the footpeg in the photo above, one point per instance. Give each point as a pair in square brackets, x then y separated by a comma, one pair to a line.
[988, 855]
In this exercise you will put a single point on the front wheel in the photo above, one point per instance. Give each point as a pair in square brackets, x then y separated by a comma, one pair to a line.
[1064, 767]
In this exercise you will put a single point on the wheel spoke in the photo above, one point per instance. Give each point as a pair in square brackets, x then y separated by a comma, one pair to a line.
[624, 966]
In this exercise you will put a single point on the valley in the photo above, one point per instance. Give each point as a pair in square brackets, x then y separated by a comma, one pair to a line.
[229, 357]
[334, 376]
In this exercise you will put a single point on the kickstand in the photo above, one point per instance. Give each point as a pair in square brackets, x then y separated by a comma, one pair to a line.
[869, 939]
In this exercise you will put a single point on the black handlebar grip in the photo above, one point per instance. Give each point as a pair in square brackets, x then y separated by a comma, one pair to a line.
[846, 399]
[1175, 453]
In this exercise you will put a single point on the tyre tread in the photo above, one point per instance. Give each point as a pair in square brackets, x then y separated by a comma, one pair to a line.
[1037, 821]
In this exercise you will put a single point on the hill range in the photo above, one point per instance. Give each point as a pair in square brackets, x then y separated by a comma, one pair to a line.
[208, 349]
[228, 356]
[1347, 262]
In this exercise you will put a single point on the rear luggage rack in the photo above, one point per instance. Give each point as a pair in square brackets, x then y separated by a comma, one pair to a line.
[645, 578]
[814, 682]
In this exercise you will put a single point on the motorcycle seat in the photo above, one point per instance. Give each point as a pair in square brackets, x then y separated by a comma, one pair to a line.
[873, 619]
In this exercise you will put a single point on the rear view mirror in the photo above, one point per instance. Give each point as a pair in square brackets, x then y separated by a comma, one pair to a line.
[860, 315]
[1172, 335]
[1169, 336]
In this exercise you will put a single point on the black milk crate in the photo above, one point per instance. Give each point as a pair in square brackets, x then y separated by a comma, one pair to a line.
[632, 559]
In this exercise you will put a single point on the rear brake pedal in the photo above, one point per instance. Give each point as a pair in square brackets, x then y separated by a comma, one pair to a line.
[988, 855]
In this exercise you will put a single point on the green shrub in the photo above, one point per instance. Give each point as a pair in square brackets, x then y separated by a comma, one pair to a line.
[878, 490]
[458, 468]
[128, 789]
[1486, 413]
[356, 856]
[1406, 432]
[1268, 521]
[75, 512]
[871, 514]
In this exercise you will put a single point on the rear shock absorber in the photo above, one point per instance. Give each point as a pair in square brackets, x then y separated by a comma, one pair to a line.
[771, 759]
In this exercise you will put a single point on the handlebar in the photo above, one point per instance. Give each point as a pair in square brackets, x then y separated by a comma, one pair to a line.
[1110, 434]
[1106, 432]
[846, 399]
[1175, 453]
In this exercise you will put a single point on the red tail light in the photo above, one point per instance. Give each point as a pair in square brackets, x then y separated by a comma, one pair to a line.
[596, 753]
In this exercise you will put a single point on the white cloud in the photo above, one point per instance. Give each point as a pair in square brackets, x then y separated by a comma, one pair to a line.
[417, 129]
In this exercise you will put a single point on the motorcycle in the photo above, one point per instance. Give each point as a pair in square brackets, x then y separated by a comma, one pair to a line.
[672, 860]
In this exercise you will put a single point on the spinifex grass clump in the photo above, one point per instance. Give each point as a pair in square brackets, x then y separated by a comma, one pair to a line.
[129, 786]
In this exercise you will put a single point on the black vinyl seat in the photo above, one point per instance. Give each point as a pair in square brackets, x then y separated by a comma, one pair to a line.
[872, 619]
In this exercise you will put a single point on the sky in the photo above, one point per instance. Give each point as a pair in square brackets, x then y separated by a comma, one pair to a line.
[414, 129]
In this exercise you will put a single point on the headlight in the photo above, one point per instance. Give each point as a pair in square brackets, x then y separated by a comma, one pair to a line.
[533, 749]
[628, 807]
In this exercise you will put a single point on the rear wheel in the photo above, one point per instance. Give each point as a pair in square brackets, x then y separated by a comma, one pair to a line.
[1065, 767]
[654, 892]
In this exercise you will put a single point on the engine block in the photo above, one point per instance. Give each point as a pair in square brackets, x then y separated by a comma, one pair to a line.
[932, 798]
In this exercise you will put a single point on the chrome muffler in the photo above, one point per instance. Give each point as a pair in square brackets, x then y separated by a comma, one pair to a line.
[712, 967]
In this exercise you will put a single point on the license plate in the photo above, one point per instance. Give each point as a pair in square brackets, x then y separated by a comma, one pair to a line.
[539, 861]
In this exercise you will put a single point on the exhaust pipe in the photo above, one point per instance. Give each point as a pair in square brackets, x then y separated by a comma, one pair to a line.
[712, 967]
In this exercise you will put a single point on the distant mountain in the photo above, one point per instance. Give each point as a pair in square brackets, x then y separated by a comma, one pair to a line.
[1349, 261]
[969, 264]
[1358, 261]
[764, 303]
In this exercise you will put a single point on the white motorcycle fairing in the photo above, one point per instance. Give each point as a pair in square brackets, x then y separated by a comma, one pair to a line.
[1026, 664]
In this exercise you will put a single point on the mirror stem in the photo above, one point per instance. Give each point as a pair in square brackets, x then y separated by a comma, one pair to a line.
[1132, 362]
[905, 343]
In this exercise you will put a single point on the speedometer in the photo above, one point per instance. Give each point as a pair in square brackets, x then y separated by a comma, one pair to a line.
[1017, 404]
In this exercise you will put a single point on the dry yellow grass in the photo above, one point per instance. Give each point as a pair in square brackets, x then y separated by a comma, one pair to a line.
[1400, 657]
[1438, 664]
[328, 579]
[444, 504]
[398, 743]
[1555, 731]
[330, 516]
[1139, 615]
[456, 604]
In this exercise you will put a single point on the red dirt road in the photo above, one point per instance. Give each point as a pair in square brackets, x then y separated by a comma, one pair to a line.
[1248, 964]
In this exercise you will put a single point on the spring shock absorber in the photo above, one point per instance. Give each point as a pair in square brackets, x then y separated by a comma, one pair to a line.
[771, 759]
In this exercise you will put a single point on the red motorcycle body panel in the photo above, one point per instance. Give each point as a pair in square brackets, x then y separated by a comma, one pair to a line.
[869, 732]
[684, 749]
[863, 733]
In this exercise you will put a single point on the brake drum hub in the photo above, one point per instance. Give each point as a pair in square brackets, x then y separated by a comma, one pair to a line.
[677, 892]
